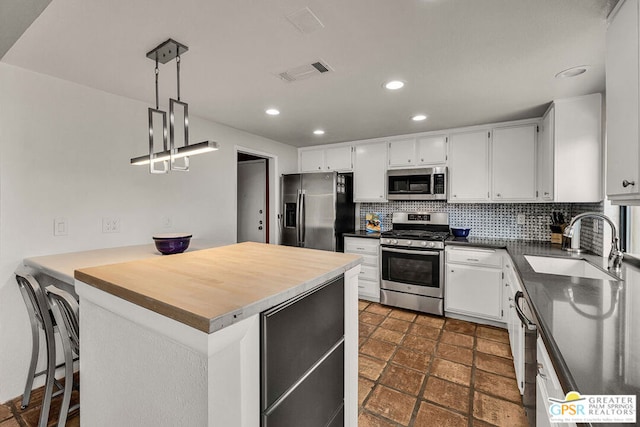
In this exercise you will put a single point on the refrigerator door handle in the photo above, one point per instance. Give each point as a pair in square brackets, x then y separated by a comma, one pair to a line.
[298, 204]
[302, 218]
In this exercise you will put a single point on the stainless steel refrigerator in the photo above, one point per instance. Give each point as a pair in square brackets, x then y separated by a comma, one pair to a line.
[317, 210]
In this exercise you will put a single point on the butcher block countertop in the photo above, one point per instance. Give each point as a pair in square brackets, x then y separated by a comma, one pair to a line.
[213, 288]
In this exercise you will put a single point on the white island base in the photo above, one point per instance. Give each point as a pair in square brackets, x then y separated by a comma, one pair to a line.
[141, 368]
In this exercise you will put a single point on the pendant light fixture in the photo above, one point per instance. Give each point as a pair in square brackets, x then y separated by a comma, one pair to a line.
[169, 154]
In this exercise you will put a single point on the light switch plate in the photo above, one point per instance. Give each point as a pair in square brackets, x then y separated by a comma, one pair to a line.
[60, 226]
[521, 219]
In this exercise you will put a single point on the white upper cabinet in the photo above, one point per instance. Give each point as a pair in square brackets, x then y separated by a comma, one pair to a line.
[312, 160]
[469, 167]
[418, 151]
[432, 150]
[370, 172]
[402, 153]
[513, 160]
[338, 158]
[570, 151]
[623, 83]
[326, 159]
[545, 156]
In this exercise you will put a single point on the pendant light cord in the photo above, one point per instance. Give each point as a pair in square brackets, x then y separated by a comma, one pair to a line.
[178, 71]
[157, 71]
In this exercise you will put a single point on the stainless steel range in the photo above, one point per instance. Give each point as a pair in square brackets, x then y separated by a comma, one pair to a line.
[412, 265]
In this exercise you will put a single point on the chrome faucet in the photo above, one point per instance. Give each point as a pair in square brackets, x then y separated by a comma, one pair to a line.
[615, 254]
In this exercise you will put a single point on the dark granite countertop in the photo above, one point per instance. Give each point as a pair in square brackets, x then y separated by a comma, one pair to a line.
[362, 233]
[591, 327]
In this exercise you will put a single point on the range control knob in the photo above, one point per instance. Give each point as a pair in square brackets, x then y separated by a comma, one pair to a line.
[384, 241]
[394, 242]
[431, 244]
[409, 242]
[424, 243]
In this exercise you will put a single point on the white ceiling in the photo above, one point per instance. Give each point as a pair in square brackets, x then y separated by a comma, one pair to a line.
[465, 62]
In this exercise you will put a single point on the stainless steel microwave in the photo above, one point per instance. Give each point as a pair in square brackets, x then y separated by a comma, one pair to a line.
[417, 184]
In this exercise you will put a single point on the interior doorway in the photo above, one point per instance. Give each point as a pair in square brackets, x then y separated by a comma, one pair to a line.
[253, 198]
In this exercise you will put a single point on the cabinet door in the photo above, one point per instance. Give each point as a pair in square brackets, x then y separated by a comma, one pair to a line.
[513, 163]
[338, 159]
[402, 153]
[545, 156]
[469, 166]
[312, 160]
[622, 100]
[432, 150]
[370, 172]
[475, 291]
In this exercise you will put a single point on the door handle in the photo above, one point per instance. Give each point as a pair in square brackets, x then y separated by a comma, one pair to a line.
[260, 227]
[526, 322]
[302, 218]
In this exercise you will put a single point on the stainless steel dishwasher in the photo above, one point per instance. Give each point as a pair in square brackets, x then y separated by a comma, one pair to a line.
[530, 356]
[302, 360]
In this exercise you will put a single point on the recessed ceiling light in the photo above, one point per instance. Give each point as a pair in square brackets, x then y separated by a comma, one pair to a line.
[572, 72]
[419, 117]
[394, 84]
[318, 132]
[272, 112]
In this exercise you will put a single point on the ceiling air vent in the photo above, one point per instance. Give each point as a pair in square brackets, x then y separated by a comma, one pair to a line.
[305, 21]
[305, 71]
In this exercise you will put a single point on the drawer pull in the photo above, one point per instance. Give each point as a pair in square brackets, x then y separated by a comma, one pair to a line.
[360, 249]
[473, 259]
[360, 286]
[626, 183]
[540, 372]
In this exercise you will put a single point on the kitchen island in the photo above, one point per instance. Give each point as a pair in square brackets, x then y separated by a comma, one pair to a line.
[176, 340]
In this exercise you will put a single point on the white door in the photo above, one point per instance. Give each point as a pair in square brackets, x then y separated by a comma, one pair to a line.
[514, 163]
[252, 195]
[469, 166]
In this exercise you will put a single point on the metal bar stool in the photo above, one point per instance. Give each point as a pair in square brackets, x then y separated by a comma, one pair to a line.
[52, 318]
[65, 310]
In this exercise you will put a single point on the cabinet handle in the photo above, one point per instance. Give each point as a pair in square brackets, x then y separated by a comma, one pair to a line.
[546, 193]
[319, 167]
[409, 160]
[422, 160]
[497, 194]
[473, 259]
[360, 249]
[510, 299]
[360, 286]
[328, 167]
[455, 195]
[626, 183]
[540, 368]
[452, 271]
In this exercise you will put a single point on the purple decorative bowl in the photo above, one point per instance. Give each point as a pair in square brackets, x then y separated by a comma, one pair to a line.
[460, 232]
[172, 243]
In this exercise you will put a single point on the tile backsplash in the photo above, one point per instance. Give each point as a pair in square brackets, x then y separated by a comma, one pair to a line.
[497, 220]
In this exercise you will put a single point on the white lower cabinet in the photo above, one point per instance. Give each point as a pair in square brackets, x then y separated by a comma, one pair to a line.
[369, 278]
[473, 283]
[547, 385]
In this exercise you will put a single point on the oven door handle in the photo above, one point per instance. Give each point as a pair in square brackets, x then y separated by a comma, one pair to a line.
[526, 322]
[413, 252]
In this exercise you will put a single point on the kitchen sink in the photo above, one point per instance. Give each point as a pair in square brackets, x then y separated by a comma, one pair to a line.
[568, 267]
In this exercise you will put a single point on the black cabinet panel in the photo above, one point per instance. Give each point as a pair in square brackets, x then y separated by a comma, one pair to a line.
[316, 400]
[296, 334]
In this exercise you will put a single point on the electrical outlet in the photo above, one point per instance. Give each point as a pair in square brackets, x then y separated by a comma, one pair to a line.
[60, 226]
[167, 222]
[521, 219]
[111, 225]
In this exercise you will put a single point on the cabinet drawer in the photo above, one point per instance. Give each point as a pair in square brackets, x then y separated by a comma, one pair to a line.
[368, 288]
[369, 272]
[370, 260]
[361, 245]
[488, 257]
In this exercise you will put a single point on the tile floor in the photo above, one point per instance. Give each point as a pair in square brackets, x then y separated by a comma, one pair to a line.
[415, 370]
[12, 416]
[418, 370]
